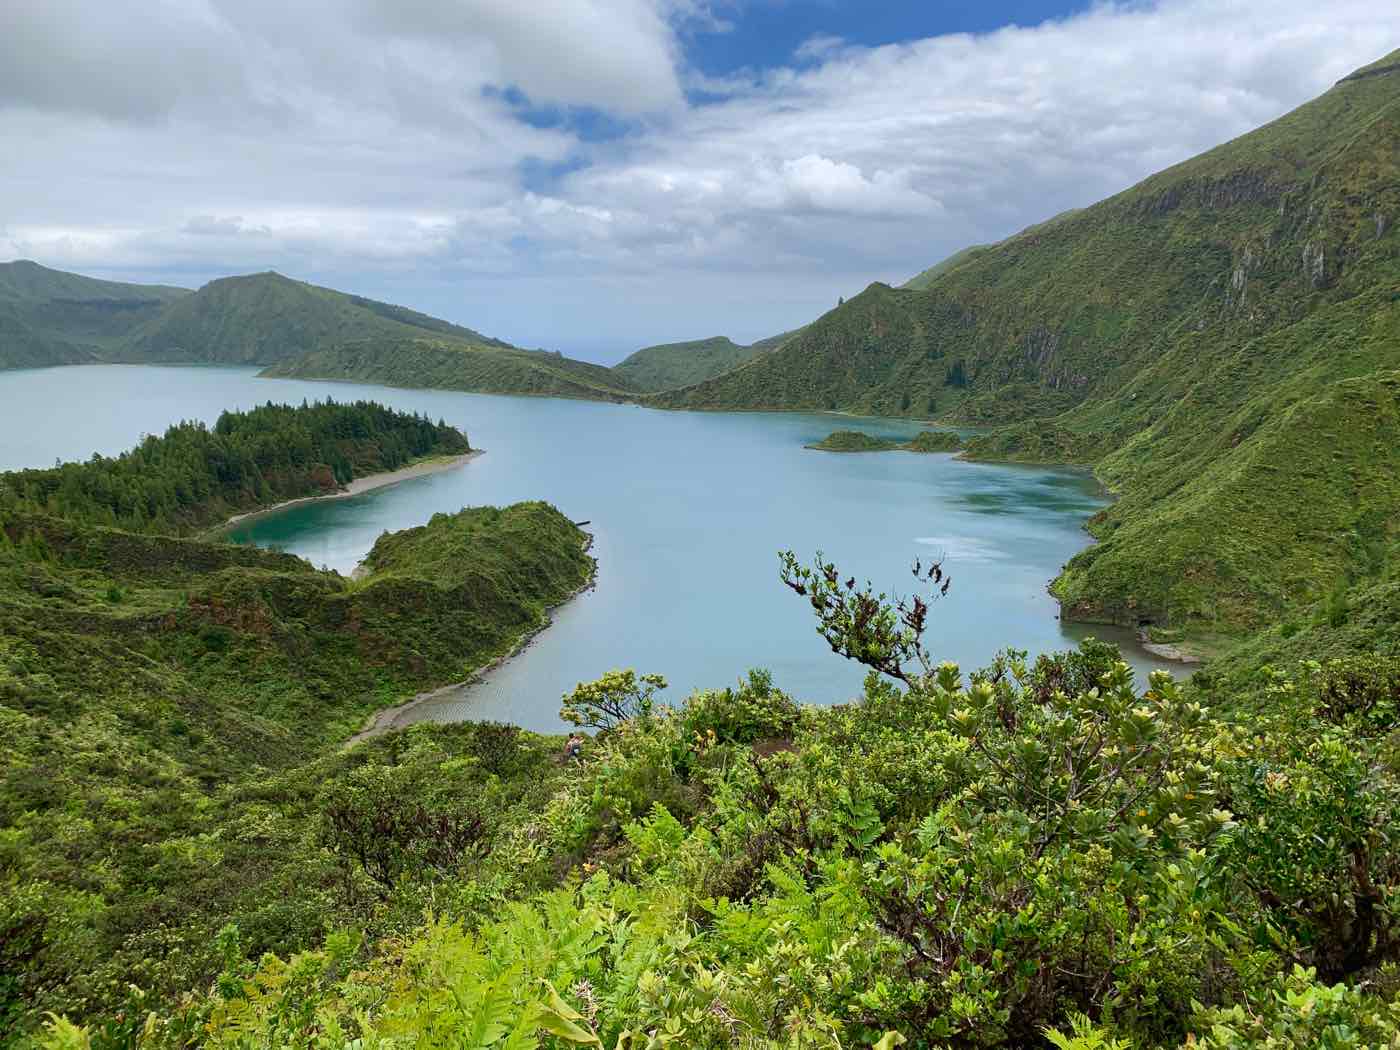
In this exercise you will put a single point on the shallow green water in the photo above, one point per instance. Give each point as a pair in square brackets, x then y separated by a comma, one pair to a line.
[688, 511]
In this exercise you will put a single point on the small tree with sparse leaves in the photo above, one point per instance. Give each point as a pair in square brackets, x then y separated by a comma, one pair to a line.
[882, 633]
[611, 700]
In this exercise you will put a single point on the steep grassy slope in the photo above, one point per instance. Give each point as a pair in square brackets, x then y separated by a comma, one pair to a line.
[924, 279]
[22, 347]
[48, 317]
[670, 366]
[263, 318]
[438, 364]
[874, 354]
[172, 712]
[1211, 251]
[1199, 339]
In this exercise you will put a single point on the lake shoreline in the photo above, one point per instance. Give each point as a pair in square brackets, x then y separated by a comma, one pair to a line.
[389, 718]
[358, 486]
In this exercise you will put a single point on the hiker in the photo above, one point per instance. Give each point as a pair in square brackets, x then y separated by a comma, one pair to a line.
[574, 747]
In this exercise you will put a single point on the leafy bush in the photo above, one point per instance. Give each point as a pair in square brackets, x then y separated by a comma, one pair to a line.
[755, 711]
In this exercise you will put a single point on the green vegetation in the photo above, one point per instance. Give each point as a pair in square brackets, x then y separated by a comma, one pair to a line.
[934, 441]
[492, 548]
[923, 280]
[438, 364]
[194, 477]
[855, 441]
[1042, 854]
[1219, 342]
[674, 365]
[173, 712]
[48, 317]
[264, 318]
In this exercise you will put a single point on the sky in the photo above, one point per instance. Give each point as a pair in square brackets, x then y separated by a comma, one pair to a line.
[593, 176]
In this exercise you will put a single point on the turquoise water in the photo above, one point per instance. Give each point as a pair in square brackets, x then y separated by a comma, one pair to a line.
[688, 511]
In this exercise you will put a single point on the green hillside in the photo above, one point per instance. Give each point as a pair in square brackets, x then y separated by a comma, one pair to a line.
[447, 365]
[1197, 339]
[48, 317]
[1035, 854]
[22, 347]
[922, 280]
[670, 366]
[264, 318]
[174, 711]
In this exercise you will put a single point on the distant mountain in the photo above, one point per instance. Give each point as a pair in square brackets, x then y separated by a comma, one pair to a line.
[1220, 342]
[673, 365]
[452, 365]
[48, 317]
[265, 318]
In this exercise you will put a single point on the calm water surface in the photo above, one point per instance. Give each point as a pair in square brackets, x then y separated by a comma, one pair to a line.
[688, 511]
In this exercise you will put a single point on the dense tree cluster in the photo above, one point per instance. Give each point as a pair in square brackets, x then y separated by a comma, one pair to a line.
[194, 475]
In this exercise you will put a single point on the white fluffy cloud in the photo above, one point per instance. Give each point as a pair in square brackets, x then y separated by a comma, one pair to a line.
[373, 143]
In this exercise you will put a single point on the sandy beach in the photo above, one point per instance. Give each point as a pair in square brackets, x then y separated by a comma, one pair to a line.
[360, 485]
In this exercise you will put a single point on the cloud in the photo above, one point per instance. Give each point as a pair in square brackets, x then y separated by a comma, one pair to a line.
[618, 55]
[818, 47]
[383, 145]
[114, 60]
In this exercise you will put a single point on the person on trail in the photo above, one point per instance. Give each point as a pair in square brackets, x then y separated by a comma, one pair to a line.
[574, 747]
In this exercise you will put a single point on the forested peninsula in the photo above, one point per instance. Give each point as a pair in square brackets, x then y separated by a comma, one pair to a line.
[196, 476]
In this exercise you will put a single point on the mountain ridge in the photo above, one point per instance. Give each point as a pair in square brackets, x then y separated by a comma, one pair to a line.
[264, 318]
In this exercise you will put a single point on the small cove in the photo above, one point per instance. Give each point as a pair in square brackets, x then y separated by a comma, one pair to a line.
[687, 510]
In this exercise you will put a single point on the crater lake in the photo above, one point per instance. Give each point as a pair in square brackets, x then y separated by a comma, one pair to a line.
[688, 512]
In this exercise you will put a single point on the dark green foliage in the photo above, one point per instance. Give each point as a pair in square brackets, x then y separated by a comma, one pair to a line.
[194, 476]
[934, 441]
[856, 441]
[528, 551]
[378, 820]
[853, 441]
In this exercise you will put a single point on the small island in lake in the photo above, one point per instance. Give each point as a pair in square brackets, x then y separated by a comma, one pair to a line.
[856, 441]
